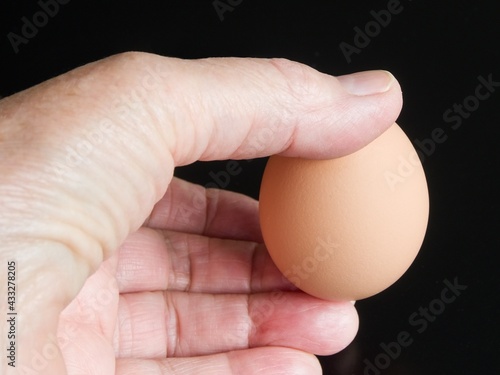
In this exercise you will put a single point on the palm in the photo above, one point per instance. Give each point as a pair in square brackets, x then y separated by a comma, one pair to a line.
[194, 281]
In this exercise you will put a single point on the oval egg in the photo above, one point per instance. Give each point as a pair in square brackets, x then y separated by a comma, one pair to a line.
[346, 228]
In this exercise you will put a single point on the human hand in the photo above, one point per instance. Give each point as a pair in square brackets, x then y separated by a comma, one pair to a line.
[133, 277]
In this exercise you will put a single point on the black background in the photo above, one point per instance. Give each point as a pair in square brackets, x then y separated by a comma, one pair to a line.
[437, 50]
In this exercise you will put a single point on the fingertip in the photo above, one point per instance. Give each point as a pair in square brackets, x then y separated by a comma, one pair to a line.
[310, 365]
[296, 362]
[360, 107]
[340, 327]
[352, 324]
[275, 360]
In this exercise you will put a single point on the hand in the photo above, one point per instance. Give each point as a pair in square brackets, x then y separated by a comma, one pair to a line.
[135, 271]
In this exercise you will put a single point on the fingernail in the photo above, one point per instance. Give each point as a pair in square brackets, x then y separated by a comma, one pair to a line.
[367, 83]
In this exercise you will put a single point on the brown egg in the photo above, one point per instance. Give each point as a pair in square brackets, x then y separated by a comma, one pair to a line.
[346, 228]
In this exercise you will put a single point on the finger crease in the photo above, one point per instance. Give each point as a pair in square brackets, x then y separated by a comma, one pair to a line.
[253, 268]
[173, 339]
[190, 267]
[251, 325]
[211, 208]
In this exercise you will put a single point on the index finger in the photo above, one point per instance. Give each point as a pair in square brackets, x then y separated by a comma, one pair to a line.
[230, 108]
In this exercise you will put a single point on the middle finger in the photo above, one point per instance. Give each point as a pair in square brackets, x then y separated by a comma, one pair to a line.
[155, 259]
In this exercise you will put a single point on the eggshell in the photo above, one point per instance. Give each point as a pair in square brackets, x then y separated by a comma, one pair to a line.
[346, 228]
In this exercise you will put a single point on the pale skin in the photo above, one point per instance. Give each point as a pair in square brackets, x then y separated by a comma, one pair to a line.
[123, 269]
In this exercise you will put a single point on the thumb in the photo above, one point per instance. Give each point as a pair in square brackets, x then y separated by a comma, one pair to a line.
[85, 156]
[252, 108]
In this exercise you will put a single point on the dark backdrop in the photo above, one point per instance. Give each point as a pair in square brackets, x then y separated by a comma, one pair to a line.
[438, 50]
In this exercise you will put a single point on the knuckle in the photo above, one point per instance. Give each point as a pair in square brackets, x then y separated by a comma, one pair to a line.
[129, 61]
[123, 71]
[302, 82]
